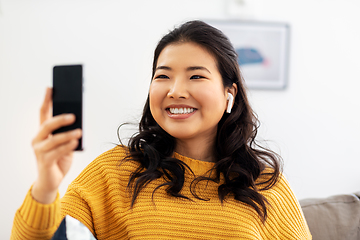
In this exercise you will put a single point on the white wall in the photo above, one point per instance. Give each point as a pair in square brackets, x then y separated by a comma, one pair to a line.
[314, 123]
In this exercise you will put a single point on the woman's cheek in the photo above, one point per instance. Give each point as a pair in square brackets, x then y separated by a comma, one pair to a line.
[157, 94]
[210, 100]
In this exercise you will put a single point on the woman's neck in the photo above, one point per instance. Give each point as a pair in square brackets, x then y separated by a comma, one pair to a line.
[197, 149]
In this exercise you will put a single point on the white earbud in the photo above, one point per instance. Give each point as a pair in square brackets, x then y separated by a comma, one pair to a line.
[230, 103]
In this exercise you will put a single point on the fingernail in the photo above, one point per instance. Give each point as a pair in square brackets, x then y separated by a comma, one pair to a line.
[76, 132]
[69, 117]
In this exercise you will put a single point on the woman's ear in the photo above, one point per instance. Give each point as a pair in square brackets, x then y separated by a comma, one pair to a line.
[231, 92]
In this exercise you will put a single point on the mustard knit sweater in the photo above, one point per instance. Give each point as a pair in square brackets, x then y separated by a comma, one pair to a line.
[98, 198]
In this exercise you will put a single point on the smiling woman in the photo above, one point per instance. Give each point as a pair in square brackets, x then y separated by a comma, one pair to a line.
[187, 78]
[194, 170]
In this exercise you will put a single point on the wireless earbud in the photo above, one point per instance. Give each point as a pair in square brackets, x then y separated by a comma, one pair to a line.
[230, 103]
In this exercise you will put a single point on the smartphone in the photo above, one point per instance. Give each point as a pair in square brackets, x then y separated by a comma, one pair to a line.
[68, 95]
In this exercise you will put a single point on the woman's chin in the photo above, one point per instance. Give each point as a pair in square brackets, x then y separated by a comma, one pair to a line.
[181, 134]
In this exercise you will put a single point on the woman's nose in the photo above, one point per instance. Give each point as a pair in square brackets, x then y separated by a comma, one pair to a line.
[178, 89]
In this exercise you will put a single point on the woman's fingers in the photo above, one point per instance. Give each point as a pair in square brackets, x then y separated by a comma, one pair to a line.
[52, 124]
[53, 151]
[45, 110]
[62, 150]
[59, 139]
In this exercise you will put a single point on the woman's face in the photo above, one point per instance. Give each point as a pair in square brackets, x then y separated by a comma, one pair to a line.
[187, 95]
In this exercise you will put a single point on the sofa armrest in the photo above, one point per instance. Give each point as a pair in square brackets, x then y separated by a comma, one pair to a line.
[336, 217]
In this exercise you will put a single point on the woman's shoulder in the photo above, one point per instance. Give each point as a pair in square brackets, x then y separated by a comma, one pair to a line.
[271, 183]
[284, 210]
[116, 156]
[276, 189]
[280, 196]
[115, 152]
[112, 163]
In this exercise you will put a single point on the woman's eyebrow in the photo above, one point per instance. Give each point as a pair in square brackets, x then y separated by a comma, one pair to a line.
[163, 68]
[192, 68]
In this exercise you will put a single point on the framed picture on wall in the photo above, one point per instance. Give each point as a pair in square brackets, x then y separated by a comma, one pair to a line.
[263, 51]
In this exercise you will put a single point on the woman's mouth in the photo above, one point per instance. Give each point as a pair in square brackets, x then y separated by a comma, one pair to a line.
[180, 112]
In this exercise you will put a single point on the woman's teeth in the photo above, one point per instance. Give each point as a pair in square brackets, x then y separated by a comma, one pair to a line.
[181, 110]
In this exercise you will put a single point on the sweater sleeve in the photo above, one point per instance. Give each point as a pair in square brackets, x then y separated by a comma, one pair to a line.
[34, 220]
[74, 204]
[286, 219]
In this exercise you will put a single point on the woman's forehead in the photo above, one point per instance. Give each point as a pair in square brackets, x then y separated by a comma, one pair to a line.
[186, 54]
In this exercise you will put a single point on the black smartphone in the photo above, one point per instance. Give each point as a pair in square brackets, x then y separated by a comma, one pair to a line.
[68, 95]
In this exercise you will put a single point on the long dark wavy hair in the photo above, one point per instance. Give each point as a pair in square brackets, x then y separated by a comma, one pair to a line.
[239, 159]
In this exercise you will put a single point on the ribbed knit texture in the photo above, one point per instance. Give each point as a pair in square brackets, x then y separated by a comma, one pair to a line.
[98, 197]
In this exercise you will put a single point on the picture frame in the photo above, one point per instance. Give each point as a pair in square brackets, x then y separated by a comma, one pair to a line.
[263, 51]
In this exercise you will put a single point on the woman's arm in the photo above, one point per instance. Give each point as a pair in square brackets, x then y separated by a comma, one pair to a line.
[286, 219]
[39, 215]
[34, 220]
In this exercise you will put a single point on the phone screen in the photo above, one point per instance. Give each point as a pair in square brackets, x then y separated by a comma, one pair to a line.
[68, 94]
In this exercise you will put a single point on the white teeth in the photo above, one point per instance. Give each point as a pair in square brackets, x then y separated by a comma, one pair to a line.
[181, 110]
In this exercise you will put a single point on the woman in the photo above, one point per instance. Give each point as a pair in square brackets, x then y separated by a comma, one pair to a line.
[193, 171]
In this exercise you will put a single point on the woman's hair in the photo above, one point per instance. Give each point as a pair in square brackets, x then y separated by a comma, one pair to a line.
[238, 157]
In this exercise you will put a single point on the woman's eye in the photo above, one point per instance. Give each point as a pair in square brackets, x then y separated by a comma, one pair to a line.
[196, 77]
[162, 76]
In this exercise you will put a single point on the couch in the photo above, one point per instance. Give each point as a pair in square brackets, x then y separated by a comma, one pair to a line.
[333, 218]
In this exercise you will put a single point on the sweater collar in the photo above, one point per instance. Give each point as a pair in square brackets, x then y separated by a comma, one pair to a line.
[197, 166]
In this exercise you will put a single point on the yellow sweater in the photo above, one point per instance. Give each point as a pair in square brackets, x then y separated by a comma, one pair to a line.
[99, 199]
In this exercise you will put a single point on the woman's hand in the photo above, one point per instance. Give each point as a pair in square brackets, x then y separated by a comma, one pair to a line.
[54, 153]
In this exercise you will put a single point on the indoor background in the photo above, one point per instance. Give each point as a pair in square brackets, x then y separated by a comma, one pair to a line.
[313, 123]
